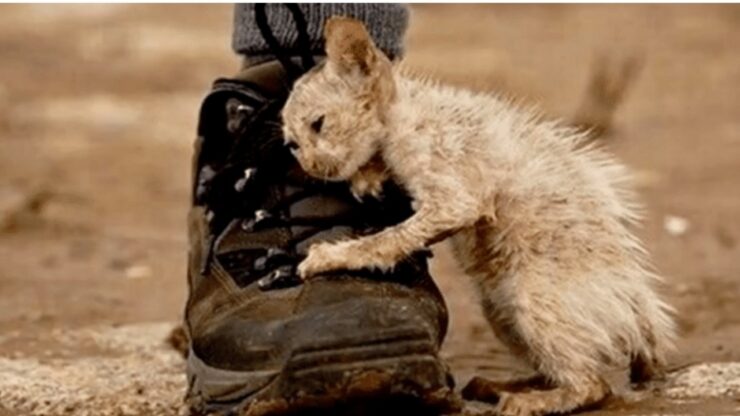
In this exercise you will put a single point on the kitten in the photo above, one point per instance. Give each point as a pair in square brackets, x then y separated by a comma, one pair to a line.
[536, 218]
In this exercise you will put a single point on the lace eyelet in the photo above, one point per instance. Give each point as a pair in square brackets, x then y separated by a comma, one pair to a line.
[261, 215]
[279, 278]
[274, 252]
[273, 255]
[242, 182]
[236, 113]
[260, 264]
[243, 108]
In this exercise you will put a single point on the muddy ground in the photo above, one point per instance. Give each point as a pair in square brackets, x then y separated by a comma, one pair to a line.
[98, 108]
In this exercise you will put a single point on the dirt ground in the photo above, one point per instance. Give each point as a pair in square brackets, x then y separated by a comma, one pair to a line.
[98, 108]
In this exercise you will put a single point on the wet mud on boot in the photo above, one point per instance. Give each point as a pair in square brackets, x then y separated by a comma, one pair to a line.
[260, 341]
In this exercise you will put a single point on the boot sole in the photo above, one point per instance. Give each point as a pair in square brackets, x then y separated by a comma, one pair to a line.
[403, 374]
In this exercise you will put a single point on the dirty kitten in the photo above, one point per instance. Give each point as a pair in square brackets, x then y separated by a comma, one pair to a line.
[539, 221]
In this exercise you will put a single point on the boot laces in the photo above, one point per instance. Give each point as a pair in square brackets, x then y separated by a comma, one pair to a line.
[257, 160]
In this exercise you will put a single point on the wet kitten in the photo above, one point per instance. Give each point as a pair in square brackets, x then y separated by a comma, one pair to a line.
[537, 219]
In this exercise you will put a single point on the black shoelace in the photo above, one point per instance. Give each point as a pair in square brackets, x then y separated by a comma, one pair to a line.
[283, 55]
[256, 160]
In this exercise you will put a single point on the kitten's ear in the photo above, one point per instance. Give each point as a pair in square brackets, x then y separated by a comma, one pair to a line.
[351, 52]
[348, 45]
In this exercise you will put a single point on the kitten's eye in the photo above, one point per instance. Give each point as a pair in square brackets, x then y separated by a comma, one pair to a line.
[317, 124]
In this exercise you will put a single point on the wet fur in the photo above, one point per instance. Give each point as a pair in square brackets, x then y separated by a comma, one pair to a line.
[540, 221]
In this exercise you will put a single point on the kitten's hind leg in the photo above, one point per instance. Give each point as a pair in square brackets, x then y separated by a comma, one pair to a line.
[648, 363]
[531, 317]
[560, 400]
[535, 395]
[644, 369]
[485, 390]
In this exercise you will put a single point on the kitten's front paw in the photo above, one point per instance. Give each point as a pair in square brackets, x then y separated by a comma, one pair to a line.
[367, 184]
[322, 257]
[345, 255]
[512, 404]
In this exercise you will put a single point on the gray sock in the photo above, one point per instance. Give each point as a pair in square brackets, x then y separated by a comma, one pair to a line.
[385, 22]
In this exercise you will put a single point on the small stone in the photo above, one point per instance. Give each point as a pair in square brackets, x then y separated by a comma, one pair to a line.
[138, 272]
[675, 225]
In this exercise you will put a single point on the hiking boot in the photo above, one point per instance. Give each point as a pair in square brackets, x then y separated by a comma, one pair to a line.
[262, 341]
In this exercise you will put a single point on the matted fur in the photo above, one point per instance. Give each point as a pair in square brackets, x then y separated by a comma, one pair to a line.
[538, 219]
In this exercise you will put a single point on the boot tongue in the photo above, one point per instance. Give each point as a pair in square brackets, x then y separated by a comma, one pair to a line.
[269, 76]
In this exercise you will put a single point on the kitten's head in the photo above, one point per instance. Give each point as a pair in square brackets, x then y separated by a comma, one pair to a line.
[336, 114]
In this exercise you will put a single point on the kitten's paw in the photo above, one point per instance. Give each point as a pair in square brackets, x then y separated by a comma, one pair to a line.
[512, 404]
[322, 257]
[345, 255]
[367, 184]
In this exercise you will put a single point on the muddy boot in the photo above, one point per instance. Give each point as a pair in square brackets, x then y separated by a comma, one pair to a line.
[262, 342]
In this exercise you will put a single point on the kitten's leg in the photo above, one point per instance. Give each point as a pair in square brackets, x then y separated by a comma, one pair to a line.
[560, 400]
[649, 364]
[565, 389]
[529, 316]
[485, 390]
[384, 249]
[643, 369]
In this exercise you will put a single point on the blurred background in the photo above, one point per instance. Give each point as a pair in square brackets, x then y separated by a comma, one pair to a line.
[98, 107]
